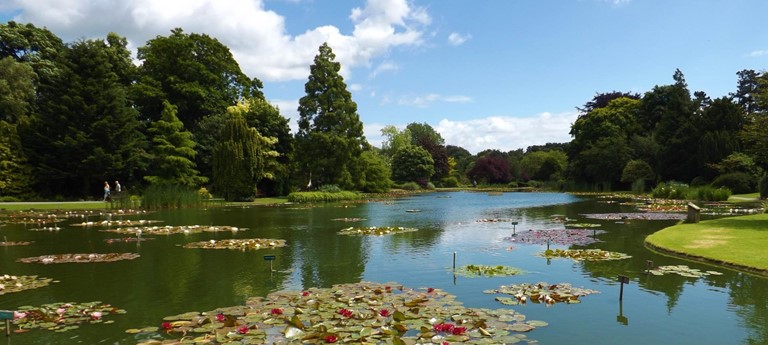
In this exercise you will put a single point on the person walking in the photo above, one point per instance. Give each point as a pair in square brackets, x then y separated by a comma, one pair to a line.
[106, 190]
[118, 188]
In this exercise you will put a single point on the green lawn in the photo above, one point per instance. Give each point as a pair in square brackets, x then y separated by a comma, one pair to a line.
[70, 205]
[738, 241]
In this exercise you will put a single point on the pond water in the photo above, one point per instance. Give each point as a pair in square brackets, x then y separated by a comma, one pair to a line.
[167, 279]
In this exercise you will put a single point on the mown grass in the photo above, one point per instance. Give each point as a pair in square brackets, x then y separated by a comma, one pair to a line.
[734, 241]
[84, 205]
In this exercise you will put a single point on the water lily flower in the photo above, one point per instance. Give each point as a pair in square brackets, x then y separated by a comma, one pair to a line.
[276, 311]
[331, 338]
[345, 312]
[242, 330]
[220, 317]
[60, 311]
[166, 326]
[96, 315]
[446, 343]
[458, 330]
[384, 312]
[429, 290]
[19, 315]
[305, 293]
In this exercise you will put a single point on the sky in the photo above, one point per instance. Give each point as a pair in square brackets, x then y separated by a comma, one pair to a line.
[485, 74]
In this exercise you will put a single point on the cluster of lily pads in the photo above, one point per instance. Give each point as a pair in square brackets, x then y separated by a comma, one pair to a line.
[239, 244]
[584, 254]
[681, 270]
[494, 220]
[487, 271]
[364, 313]
[557, 236]
[375, 230]
[79, 258]
[16, 243]
[170, 230]
[348, 219]
[136, 222]
[635, 216]
[540, 293]
[10, 283]
[61, 317]
[128, 240]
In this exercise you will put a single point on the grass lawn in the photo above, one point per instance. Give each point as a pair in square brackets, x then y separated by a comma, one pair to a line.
[69, 205]
[734, 241]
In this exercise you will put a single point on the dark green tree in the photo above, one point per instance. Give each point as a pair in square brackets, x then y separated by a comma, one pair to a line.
[268, 121]
[374, 175]
[17, 89]
[412, 164]
[38, 47]
[330, 137]
[85, 130]
[195, 72]
[637, 170]
[425, 136]
[240, 157]
[15, 174]
[173, 152]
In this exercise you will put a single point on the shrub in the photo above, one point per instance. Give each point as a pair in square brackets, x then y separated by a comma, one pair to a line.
[410, 186]
[708, 193]
[699, 181]
[307, 197]
[638, 187]
[9, 198]
[671, 190]
[170, 196]
[204, 193]
[737, 182]
[449, 182]
[512, 184]
[430, 186]
[330, 188]
[763, 186]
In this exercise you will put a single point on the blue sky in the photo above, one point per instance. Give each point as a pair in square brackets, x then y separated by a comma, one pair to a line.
[489, 74]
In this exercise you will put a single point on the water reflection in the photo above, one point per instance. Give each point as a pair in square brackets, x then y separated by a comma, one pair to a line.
[168, 279]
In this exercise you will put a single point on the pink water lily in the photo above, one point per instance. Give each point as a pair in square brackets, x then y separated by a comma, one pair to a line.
[96, 315]
[242, 330]
[220, 317]
[19, 315]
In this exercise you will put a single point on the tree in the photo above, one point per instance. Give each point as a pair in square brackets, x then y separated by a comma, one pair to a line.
[637, 170]
[268, 121]
[195, 72]
[330, 137]
[26, 43]
[490, 169]
[374, 175]
[17, 90]
[85, 130]
[425, 136]
[544, 165]
[14, 172]
[412, 164]
[240, 157]
[173, 152]
[394, 139]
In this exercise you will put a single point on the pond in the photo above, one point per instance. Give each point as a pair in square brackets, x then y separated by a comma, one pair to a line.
[168, 279]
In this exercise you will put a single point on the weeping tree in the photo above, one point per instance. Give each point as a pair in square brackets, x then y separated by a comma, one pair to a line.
[241, 158]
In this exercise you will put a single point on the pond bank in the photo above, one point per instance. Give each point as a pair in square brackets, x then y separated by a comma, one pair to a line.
[736, 242]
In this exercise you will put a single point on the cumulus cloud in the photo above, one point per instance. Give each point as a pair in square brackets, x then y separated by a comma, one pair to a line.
[384, 67]
[256, 35]
[426, 100]
[507, 133]
[458, 39]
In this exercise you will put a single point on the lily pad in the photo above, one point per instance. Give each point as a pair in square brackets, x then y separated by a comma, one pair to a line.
[170, 230]
[487, 271]
[362, 313]
[61, 317]
[375, 230]
[541, 292]
[584, 254]
[635, 216]
[564, 237]
[239, 244]
[10, 283]
[682, 270]
[139, 222]
[18, 243]
[348, 219]
[79, 258]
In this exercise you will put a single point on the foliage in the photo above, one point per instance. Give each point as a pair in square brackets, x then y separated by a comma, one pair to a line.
[375, 230]
[195, 72]
[541, 292]
[173, 230]
[62, 317]
[412, 163]
[173, 152]
[425, 136]
[487, 271]
[17, 89]
[708, 193]
[374, 173]
[737, 182]
[240, 157]
[330, 135]
[490, 169]
[584, 254]
[449, 182]
[544, 165]
[682, 270]
[238, 244]
[10, 284]
[763, 186]
[159, 196]
[329, 188]
[15, 174]
[670, 190]
[204, 193]
[268, 121]
[410, 186]
[310, 197]
[637, 170]
[393, 140]
[79, 258]
[737, 162]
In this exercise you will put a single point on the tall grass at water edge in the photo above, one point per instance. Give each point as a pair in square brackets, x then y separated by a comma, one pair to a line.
[170, 196]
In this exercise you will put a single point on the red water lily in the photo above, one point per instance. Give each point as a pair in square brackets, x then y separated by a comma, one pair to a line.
[345, 312]
[429, 290]
[305, 293]
[443, 327]
[276, 311]
[242, 330]
[331, 338]
[384, 313]
[458, 330]
[446, 343]
[220, 317]
[166, 326]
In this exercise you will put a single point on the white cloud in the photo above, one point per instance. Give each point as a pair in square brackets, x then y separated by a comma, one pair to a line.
[507, 133]
[758, 53]
[256, 35]
[458, 39]
[289, 109]
[426, 100]
[384, 67]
